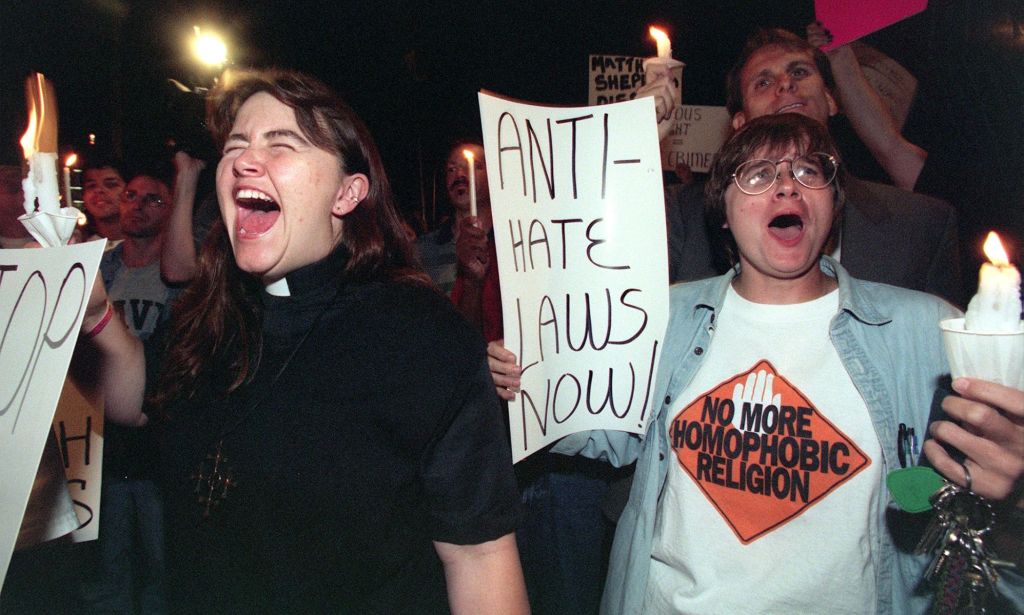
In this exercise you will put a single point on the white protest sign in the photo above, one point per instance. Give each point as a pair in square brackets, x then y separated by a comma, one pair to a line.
[78, 425]
[699, 131]
[579, 222]
[43, 294]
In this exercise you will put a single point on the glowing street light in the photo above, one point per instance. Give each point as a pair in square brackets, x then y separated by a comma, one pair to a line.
[209, 48]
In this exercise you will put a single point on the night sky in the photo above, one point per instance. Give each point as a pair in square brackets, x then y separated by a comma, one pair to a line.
[412, 70]
[409, 68]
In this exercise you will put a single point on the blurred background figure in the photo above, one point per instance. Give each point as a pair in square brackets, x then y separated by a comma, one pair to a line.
[102, 185]
[130, 576]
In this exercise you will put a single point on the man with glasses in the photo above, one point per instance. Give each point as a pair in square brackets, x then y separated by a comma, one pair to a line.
[760, 482]
[131, 271]
[131, 515]
[886, 234]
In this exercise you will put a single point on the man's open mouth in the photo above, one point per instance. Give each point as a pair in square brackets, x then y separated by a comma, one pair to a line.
[786, 227]
[257, 212]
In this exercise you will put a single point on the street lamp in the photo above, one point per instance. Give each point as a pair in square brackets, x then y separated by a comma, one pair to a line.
[209, 48]
[185, 101]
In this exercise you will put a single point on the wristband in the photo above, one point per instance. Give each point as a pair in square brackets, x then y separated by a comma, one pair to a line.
[99, 326]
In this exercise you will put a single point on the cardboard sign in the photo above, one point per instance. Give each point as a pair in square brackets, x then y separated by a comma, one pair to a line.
[579, 223]
[849, 21]
[43, 295]
[78, 425]
[699, 130]
[614, 78]
[698, 134]
[894, 83]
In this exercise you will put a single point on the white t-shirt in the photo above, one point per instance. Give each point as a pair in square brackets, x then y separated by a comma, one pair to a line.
[769, 506]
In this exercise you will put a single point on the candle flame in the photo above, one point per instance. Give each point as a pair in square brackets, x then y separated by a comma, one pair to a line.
[664, 44]
[468, 154]
[41, 134]
[994, 250]
[28, 140]
[71, 160]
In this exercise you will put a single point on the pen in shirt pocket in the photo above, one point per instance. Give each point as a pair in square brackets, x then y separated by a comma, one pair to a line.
[901, 444]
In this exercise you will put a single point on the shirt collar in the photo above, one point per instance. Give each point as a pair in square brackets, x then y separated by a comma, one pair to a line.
[853, 298]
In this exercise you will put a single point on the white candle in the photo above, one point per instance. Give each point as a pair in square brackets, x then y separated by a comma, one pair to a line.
[28, 188]
[663, 42]
[471, 164]
[996, 307]
[40, 186]
[41, 183]
[68, 163]
[28, 146]
[67, 186]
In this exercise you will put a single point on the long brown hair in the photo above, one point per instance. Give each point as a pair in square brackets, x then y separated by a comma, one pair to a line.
[216, 333]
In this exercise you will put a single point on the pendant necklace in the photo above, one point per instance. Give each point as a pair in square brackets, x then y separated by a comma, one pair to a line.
[214, 476]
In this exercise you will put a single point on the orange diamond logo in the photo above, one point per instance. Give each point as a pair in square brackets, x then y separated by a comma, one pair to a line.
[761, 452]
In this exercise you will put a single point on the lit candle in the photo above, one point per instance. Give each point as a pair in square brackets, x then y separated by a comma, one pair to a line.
[664, 65]
[664, 44]
[28, 146]
[68, 163]
[471, 163]
[51, 224]
[997, 305]
[39, 144]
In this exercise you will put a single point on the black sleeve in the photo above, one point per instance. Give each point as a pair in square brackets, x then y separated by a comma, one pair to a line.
[469, 483]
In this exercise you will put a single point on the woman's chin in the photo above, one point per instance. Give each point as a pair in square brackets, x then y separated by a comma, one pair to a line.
[250, 261]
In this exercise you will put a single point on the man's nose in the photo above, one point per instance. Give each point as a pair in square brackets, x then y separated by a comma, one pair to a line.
[785, 182]
[786, 84]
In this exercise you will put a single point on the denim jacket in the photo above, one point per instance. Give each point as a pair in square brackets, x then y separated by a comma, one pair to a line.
[889, 342]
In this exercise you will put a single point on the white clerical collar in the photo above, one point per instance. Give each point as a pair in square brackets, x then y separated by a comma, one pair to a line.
[279, 288]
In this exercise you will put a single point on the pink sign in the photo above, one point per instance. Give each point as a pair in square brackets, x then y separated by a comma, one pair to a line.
[849, 21]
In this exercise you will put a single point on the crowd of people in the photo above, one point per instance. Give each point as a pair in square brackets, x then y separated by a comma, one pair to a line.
[305, 405]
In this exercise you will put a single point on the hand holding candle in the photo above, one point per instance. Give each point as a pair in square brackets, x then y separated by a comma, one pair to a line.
[664, 65]
[471, 172]
[988, 343]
